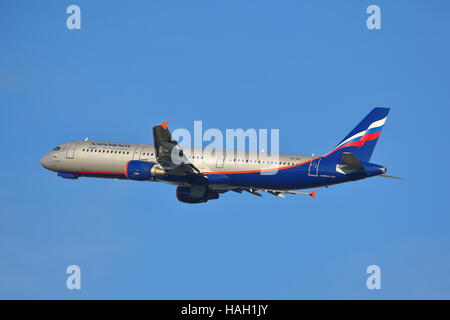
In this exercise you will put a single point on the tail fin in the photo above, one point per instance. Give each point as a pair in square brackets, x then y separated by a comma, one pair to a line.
[362, 139]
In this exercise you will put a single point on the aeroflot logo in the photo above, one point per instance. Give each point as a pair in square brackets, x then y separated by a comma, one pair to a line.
[110, 144]
[251, 140]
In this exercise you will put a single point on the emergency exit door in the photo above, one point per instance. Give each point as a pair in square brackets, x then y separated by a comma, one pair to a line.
[220, 161]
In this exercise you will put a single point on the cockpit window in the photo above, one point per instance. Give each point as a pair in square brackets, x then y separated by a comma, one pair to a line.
[57, 148]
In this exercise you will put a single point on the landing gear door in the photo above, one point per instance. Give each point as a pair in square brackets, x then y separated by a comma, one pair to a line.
[71, 151]
[314, 167]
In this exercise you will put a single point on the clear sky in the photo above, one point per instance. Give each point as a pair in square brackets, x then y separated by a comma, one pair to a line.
[310, 68]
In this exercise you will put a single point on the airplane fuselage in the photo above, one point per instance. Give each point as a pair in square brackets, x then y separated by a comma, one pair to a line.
[222, 168]
[203, 174]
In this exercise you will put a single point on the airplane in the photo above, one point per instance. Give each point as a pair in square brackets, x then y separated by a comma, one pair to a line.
[200, 176]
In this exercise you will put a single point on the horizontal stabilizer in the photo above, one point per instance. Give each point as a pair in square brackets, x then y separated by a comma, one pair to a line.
[391, 177]
[349, 164]
[351, 160]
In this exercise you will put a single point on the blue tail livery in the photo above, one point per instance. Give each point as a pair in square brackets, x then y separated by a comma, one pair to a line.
[362, 139]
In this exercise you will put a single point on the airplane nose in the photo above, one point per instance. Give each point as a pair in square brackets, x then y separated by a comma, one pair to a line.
[44, 161]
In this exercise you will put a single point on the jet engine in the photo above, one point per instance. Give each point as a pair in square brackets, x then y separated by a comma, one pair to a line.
[142, 170]
[195, 194]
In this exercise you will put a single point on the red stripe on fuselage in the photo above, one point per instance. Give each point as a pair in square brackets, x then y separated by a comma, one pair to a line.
[126, 169]
[257, 171]
[93, 172]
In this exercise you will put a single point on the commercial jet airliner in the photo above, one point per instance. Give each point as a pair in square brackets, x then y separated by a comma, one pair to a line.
[201, 176]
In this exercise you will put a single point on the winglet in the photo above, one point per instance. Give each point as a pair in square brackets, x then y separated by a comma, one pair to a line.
[164, 124]
[313, 194]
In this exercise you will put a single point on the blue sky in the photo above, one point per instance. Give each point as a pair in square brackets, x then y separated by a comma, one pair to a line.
[310, 68]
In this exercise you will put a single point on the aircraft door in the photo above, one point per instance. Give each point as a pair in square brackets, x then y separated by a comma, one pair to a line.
[220, 161]
[137, 152]
[314, 167]
[71, 151]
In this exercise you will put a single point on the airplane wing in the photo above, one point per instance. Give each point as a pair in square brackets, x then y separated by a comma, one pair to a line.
[171, 157]
[281, 193]
[278, 193]
[169, 154]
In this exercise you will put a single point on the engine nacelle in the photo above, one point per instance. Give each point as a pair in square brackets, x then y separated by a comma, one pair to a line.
[195, 194]
[142, 170]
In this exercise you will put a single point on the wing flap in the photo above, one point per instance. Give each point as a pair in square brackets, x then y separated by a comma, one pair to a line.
[277, 193]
